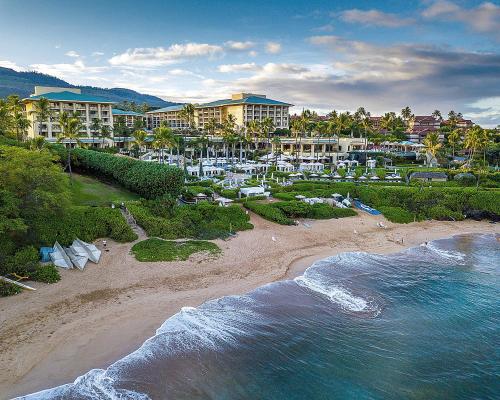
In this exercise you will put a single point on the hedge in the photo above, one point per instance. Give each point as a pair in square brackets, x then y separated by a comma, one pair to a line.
[150, 180]
[199, 221]
[8, 289]
[86, 223]
[267, 211]
[397, 214]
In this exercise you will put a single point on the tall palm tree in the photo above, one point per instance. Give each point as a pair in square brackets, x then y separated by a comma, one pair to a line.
[322, 129]
[454, 139]
[42, 112]
[276, 141]
[140, 138]
[267, 125]
[432, 144]
[453, 119]
[105, 133]
[437, 114]
[95, 128]
[70, 130]
[296, 126]
[406, 114]
[188, 114]
[16, 109]
[164, 137]
[6, 121]
[253, 128]
[22, 125]
[37, 143]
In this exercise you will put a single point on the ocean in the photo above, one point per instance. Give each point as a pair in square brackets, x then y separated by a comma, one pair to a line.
[420, 324]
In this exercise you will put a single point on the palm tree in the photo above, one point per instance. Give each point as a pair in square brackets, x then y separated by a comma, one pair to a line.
[406, 114]
[452, 119]
[210, 129]
[432, 145]
[105, 133]
[187, 114]
[163, 138]
[70, 130]
[37, 143]
[453, 139]
[6, 121]
[22, 124]
[140, 138]
[16, 108]
[322, 129]
[296, 127]
[437, 114]
[253, 128]
[42, 112]
[276, 141]
[95, 127]
[267, 125]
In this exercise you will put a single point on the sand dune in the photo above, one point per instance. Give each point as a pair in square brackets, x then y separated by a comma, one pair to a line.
[93, 317]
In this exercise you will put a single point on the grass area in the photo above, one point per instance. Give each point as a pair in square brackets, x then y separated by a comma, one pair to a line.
[165, 250]
[88, 191]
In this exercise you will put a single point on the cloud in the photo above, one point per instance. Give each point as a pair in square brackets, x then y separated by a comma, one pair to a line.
[78, 70]
[253, 53]
[485, 18]
[11, 65]
[72, 53]
[239, 46]
[485, 109]
[97, 54]
[158, 56]
[237, 67]
[184, 72]
[374, 18]
[324, 28]
[273, 47]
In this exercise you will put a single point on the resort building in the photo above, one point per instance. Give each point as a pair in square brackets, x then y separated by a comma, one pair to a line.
[69, 100]
[129, 117]
[245, 107]
[171, 114]
[321, 149]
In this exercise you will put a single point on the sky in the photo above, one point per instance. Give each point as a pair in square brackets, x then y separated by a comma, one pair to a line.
[322, 55]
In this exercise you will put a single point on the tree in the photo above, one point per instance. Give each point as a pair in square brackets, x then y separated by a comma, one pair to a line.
[70, 130]
[452, 119]
[37, 143]
[120, 127]
[42, 112]
[164, 137]
[296, 127]
[22, 125]
[253, 128]
[406, 114]
[138, 124]
[140, 138]
[267, 125]
[15, 106]
[454, 139]
[437, 114]
[432, 145]
[105, 133]
[6, 121]
[95, 128]
[187, 114]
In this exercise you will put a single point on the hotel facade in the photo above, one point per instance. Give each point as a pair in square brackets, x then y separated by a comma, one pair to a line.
[69, 100]
[244, 107]
[129, 117]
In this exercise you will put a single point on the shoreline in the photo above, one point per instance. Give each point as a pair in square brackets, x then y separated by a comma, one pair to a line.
[91, 319]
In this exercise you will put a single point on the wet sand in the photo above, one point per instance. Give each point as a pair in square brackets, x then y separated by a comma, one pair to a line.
[92, 318]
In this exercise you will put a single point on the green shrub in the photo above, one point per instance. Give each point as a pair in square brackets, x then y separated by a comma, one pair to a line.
[163, 250]
[442, 213]
[397, 214]
[267, 211]
[294, 209]
[198, 221]
[465, 179]
[23, 262]
[86, 223]
[8, 289]
[325, 211]
[46, 273]
[150, 180]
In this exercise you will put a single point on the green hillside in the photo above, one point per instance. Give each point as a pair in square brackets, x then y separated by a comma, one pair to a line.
[23, 83]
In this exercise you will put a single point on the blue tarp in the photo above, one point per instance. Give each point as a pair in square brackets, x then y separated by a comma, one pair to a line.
[45, 253]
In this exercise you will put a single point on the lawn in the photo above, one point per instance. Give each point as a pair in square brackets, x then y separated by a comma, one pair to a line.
[166, 250]
[87, 191]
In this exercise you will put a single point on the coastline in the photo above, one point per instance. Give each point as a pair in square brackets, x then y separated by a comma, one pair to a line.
[92, 318]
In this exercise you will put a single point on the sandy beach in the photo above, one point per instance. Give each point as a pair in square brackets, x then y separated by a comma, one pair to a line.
[92, 318]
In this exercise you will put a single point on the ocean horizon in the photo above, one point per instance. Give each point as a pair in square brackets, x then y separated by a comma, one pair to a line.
[422, 323]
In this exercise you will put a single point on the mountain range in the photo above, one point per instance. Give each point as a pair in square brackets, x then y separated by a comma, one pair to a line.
[23, 83]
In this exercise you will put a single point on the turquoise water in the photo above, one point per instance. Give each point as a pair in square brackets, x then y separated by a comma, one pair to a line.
[420, 324]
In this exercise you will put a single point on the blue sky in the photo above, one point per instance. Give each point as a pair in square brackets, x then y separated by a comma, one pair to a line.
[324, 55]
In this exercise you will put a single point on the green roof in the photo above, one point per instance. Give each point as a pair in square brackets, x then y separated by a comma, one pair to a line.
[245, 100]
[70, 96]
[116, 111]
[169, 108]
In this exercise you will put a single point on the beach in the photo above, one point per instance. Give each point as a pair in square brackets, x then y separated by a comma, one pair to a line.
[90, 319]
